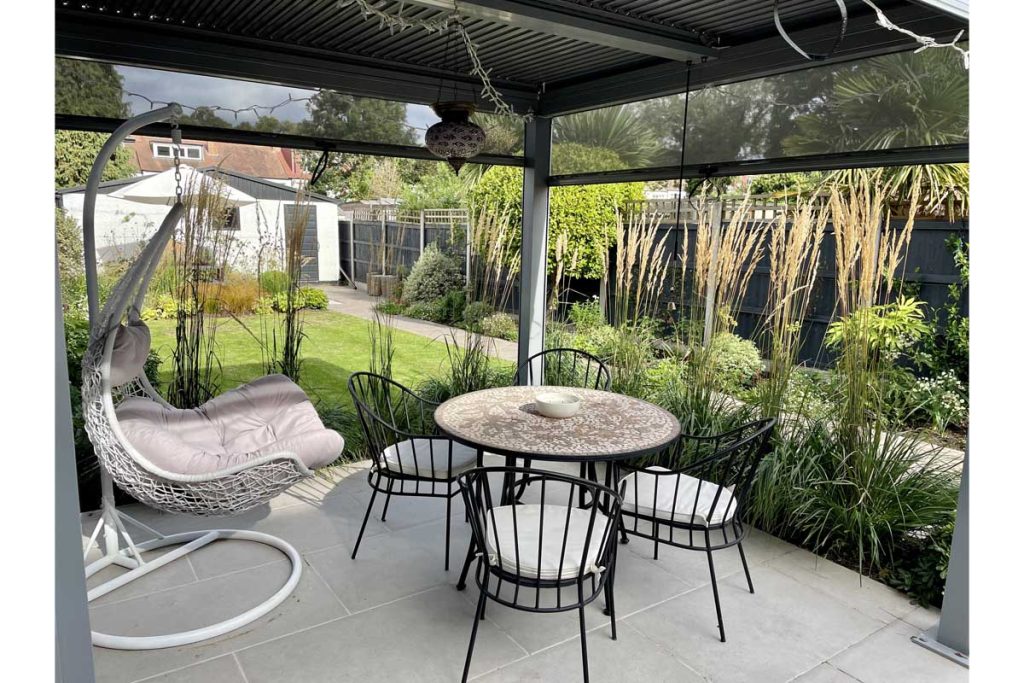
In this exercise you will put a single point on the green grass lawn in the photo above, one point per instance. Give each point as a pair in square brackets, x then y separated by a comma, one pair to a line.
[336, 345]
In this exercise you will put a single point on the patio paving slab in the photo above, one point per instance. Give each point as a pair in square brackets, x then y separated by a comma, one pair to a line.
[203, 603]
[394, 613]
[377, 576]
[646, 662]
[779, 632]
[420, 638]
[889, 655]
[224, 669]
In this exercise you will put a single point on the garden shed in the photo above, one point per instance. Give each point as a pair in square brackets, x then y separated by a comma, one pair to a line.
[122, 224]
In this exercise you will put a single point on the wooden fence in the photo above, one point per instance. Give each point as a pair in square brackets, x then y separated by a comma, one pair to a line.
[390, 241]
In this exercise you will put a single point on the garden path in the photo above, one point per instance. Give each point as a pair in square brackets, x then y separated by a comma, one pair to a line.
[358, 303]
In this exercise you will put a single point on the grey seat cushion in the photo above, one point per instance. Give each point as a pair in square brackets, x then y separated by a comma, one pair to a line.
[269, 415]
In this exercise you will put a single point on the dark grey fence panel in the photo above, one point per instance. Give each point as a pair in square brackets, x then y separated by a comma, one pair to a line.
[928, 271]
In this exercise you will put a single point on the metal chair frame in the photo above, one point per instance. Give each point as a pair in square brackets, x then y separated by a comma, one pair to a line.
[595, 376]
[728, 462]
[389, 414]
[480, 503]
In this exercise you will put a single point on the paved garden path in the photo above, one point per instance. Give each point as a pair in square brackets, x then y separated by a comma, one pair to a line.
[358, 303]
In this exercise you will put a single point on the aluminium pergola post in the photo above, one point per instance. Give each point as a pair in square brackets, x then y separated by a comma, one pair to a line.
[534, 246]
[950, 638]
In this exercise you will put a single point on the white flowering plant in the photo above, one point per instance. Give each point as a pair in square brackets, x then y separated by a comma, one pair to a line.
[940, 401]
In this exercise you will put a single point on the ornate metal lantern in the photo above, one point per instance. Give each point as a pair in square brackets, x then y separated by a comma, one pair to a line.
[455, 138]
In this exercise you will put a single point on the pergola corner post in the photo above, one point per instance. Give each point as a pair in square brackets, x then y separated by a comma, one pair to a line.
[950, 637]
[533, 271]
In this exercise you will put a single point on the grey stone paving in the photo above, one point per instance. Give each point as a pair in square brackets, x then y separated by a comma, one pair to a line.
[394, 614]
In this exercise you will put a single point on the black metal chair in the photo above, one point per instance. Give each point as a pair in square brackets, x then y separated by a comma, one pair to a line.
[565, 367]
[568, 368]
[546, 546]
[695, 491]
[410, 456]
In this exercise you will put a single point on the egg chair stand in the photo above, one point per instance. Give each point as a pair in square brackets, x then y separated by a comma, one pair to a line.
[229, 491]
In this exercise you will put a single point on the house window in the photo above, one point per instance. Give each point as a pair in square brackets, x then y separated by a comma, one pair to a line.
[163, 150]
[232, 220]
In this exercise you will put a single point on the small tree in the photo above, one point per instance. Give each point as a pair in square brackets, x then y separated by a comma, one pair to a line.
[585, 215]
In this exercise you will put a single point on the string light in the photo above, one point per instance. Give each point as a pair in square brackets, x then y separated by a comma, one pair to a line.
[254, 108]
[396, 22]
[925, 41]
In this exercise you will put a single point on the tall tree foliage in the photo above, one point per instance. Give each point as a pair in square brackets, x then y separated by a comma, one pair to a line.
[88, 89]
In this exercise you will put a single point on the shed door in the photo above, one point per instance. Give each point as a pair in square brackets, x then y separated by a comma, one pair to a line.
[310, 244]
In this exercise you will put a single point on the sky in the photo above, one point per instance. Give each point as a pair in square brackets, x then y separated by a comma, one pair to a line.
[194, 91]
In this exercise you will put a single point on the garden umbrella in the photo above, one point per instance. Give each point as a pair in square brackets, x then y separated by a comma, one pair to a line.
[161, 188]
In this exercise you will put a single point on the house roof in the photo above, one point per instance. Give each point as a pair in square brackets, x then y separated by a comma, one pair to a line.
[259, 188]
[259, 162]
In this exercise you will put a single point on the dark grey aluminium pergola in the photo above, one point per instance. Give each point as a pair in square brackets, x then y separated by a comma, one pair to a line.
[549, 57]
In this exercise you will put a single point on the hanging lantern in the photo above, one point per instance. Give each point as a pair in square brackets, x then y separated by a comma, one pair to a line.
[455, 138]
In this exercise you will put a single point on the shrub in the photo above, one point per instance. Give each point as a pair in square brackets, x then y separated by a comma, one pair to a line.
[598, 341]
[586, 315]
[451, 306]
[274, 282]
[474, 313]
[426, 310]
[306, 297]
[939, 401]
[313, 298]
[164, 307]
[388, 307]
[737, 362]
[433, 275]
[500, 325]
[919, 564]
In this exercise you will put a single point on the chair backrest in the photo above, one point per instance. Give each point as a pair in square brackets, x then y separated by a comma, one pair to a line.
[579, 541]
[392, 414]
[565, 367]
[725, 465]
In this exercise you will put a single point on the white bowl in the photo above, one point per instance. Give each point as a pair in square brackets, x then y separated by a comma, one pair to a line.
[557, 404]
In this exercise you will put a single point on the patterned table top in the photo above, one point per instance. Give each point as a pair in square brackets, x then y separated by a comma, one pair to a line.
[607, 426]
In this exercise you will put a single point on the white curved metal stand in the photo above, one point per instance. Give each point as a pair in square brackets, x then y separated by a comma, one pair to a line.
[131, 557]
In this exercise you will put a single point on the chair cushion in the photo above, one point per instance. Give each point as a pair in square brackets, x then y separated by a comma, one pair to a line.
[413, 457]
[539, 556]
[131, 349]
[269, 415]
[681, 489]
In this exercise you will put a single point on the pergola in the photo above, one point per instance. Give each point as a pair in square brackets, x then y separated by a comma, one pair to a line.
[548, 57]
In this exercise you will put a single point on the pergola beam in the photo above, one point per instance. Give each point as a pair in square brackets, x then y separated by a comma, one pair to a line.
[98, 124]
[586, 24]
[109, 38]
[757, 59]
[868, 158]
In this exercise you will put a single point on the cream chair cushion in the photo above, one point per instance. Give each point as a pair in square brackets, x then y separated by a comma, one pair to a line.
[540, 554]
[682, 490]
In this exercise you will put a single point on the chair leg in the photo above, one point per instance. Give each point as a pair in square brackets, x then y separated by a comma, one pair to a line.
[583, 644]
[656, 543]
[366, 517]
[609, 598]
[447, 531]
[718, 604]
[461, 585]
[472, 637]
[746, 570]
[387, 501]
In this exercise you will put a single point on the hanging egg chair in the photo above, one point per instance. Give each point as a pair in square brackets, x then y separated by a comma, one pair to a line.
[233, 453]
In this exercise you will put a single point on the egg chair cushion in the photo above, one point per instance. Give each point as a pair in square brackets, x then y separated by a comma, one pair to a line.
[131, 349]
[267, 416]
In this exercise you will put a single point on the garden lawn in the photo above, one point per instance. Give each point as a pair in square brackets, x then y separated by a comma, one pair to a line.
[336, 345]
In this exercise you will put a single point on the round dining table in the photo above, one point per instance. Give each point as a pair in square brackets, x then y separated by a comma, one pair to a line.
[505, 421]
